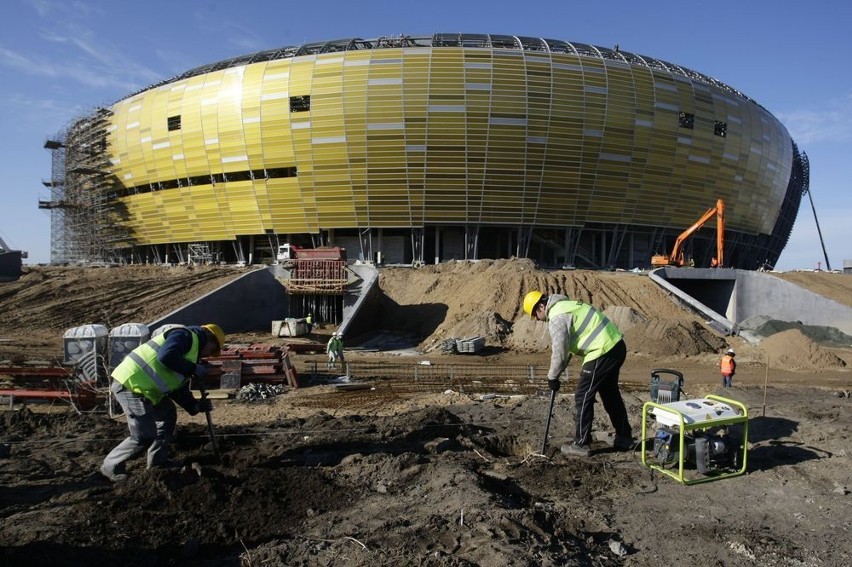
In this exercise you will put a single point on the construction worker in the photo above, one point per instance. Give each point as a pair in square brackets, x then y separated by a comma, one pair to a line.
[146, 382]
[309, 321]
[728, 366]
[331, 350]
[340, 356]
[578, 328]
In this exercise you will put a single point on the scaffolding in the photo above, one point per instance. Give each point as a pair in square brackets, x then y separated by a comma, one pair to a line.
[55, 204]
[87, 218]
[199, 253]
[316, 287]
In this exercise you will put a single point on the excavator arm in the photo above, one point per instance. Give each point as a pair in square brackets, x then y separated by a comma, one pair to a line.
[676, 257]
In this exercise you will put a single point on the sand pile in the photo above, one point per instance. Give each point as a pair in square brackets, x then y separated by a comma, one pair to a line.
[661, 337]
[466, 299]
[793, 350]
[820, 334]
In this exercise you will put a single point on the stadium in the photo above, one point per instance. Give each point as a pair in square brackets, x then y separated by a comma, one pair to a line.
[421, 149]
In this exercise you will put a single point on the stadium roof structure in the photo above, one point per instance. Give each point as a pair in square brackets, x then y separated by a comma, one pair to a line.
[466, 40]
[409, 148]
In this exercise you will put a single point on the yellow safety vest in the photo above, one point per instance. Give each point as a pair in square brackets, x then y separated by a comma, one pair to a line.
[592, 333]
[141, 372]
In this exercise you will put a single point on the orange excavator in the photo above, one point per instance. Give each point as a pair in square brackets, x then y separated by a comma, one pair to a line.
[676, 257]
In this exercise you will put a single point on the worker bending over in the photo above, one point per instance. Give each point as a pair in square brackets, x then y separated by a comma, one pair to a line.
[578, 328]
[146, 382]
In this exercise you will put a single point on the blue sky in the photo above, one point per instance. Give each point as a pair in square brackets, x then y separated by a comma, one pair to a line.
[61, 58]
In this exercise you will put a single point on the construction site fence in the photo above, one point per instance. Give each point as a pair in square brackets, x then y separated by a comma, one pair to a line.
[464, 378]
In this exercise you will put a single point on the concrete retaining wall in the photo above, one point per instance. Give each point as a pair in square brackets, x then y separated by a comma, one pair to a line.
[249, 303]
[729, 297]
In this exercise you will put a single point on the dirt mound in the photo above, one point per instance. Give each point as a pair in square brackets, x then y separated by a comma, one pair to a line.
[792, 349]
[820, 334]
[831, 285]
[483, 298]
[46, 301]
[672, 338]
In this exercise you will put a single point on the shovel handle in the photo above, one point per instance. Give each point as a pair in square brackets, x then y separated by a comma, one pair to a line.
[547, 425]
[210, 429]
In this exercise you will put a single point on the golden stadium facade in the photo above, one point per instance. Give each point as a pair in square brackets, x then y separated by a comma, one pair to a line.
[412, 149]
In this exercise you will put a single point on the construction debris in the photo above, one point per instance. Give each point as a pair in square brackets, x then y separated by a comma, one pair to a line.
[46, 384]
[467, 345]
[470, 345]
[239, 364]
[258, 392]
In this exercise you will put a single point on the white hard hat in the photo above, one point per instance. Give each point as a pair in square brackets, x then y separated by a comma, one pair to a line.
[731, 352]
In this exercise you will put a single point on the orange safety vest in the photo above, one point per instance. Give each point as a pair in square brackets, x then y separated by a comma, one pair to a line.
[728, 365]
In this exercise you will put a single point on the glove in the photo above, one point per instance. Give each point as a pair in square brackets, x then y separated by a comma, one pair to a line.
[200, 371]
[203, 405]
[554, 384]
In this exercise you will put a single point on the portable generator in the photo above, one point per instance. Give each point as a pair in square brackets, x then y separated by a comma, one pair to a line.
[708, 435]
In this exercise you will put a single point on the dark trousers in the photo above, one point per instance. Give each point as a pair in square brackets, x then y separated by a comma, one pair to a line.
[600, 376]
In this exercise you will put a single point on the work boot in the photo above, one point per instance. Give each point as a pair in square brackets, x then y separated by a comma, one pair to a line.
[112, 475]
[575, 450]
[620, 443]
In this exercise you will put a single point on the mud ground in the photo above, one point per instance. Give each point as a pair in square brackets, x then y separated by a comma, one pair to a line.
[399, 475]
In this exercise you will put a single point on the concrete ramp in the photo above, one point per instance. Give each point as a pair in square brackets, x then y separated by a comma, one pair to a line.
[360, 293]
[247, 304]
[252, 301]
[729, 297]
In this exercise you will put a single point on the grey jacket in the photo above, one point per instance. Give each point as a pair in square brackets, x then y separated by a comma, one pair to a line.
[560, 333]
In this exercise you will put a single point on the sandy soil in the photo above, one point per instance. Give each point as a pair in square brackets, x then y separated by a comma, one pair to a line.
[403, 473]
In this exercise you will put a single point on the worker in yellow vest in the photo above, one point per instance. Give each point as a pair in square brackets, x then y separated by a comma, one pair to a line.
[578, 328]
[146, 382]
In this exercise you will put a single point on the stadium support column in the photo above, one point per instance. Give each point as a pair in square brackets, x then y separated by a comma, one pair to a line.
[417, 241]
[365, 241]
[471, 242]
[524, 238]
[437, 245]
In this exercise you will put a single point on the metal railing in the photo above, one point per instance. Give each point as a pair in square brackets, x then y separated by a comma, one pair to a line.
[465, 378]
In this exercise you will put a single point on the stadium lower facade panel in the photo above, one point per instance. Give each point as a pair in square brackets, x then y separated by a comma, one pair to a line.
[424, 149]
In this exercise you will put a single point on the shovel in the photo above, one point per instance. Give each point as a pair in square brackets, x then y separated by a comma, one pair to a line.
[547, 426]
[209, 421]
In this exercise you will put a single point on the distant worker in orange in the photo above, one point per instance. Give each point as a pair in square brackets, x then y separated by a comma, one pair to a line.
[729, 367]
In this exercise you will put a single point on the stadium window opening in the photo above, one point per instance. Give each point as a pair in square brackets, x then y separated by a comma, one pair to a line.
[174, 123]
[300, 103]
